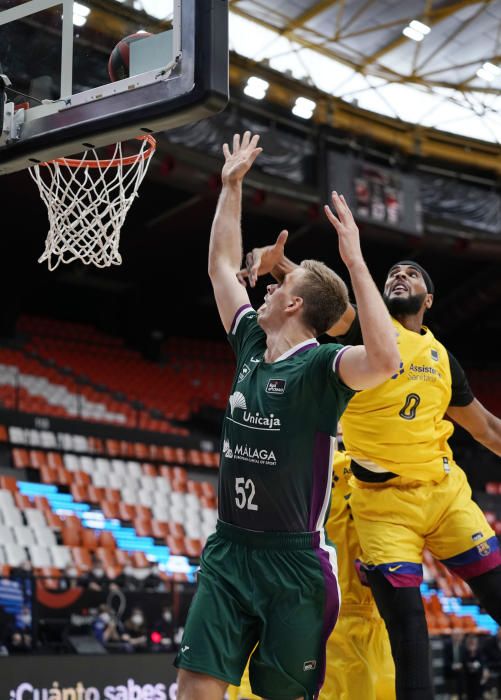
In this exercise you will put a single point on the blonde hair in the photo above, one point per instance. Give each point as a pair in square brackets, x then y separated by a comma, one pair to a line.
[324, 294]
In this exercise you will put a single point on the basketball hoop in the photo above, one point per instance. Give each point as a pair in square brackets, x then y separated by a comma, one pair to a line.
[87, 201]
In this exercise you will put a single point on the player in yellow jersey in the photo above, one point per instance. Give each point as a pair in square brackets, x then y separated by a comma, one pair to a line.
[408, 492]
[359, 661]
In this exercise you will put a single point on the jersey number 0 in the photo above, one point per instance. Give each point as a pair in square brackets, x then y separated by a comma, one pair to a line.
[408, 412]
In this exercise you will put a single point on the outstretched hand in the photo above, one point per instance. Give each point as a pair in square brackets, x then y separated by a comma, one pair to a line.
[347, 230]
[238, 163]
[261, 261]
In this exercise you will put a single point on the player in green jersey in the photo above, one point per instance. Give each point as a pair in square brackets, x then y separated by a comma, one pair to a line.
[267, 581]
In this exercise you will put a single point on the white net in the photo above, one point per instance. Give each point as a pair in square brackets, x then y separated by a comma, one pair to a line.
[87, 201]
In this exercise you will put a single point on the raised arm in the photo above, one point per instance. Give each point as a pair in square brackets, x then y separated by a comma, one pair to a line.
[271, 259]
[364, 366]
[482, 425]
[225, 248]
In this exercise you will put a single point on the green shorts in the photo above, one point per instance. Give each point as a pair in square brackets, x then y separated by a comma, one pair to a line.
[274, 595]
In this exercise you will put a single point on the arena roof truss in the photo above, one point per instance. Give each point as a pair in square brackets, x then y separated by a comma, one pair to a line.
[445, 73]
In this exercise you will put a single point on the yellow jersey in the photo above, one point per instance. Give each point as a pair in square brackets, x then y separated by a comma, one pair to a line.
[341, 531]
[399, 426]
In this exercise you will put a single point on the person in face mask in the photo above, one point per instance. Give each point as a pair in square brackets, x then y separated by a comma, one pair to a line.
[136, 633]
[107, 629]
[163, 632]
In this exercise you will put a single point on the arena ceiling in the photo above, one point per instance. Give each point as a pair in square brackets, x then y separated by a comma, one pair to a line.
[355, 50]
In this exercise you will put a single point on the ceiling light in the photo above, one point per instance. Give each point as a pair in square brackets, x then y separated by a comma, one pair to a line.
[491, 68]
[80, 14]
[485, 75]
[158, 8]
[256, 88]
[304, 108]
[413, 34]
[423, 29]
[82, 10]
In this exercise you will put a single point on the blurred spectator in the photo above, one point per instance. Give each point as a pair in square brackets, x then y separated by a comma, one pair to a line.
[136, 634]
[453, 663]
[474, 668]
[23, 571]
[492, 656]
[107, 629]
[153, 581]
[162, 636]
[20, 638]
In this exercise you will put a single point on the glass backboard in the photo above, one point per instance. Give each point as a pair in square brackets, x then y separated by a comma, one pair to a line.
[57, 97]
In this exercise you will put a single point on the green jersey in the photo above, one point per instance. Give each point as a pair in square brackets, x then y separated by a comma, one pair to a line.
[279, 432]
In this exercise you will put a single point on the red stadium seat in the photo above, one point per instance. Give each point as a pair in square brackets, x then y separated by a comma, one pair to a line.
[106, 556]
[22, 501]
[81, 478]
[108, 540]
[54, 460]
[123, 558]
[126, 511]
[71, 536]
[175, 544]
[53, 520]
[139, 560]
[91, 539]
[112, 495]
[9, 483]
[110, 509]
[192, 547]
[82, 559]
[94, 494]
[38, 459]
[20, 458]
[142, 526]
[159, 530]
[149, 469]
[48, 475]
[177, 530]
[64, 477]
[42, 503]
[143, 512]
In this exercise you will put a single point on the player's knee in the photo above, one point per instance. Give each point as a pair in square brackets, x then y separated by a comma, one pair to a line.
[487, 588]
[199, 686]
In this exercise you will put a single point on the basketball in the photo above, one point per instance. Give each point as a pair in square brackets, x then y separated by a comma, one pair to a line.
[118, 65]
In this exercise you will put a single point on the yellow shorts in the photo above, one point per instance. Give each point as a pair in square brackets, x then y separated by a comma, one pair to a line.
[395, 522]
[244, 691]
[359, 661]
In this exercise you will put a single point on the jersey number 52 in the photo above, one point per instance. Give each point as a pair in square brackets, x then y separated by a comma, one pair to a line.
[245, 493]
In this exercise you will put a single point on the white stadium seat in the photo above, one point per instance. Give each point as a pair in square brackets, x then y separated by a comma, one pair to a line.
[48, 439]
[15, 555]
[61, 556]
[45, 536]
[87, 465]
[24, 535]
[12, 516]
[40, 556]
[17, 435]
[6, 535]
[35, 518]
[6, 499]
[72, 462]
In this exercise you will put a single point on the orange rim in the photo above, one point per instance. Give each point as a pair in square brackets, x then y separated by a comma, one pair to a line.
[110, 163]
